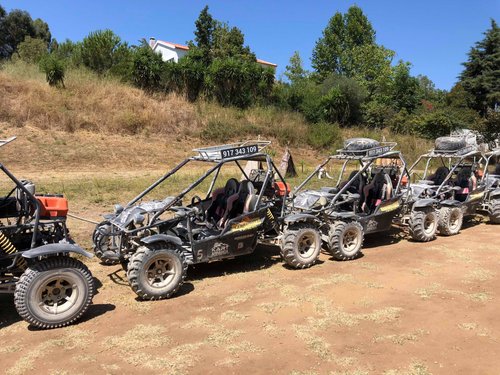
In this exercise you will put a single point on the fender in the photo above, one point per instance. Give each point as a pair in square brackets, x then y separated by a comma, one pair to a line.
[495, 193]
[450, 203]
[55, 248]
[298, 218]
[162, 238]
[423, 203]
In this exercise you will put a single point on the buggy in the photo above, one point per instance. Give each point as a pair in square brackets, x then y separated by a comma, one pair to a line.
[156, 240]
[491, 201]
[50, 288]
[454, 190]
[366, 202]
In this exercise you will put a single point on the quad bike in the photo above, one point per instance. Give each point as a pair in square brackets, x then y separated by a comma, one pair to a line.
[366, 202]
[51, 289]
[156, 240]
[441, 200]
[491, 200]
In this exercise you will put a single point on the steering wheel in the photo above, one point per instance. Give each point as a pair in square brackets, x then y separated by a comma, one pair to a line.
[199, 212]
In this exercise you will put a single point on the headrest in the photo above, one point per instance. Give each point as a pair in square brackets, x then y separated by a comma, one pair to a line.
[231, 187]
[246, 187]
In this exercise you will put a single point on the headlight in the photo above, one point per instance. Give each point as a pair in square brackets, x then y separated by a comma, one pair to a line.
[118, 209]
[138, 219]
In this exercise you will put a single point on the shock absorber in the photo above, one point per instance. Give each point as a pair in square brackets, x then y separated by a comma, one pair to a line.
[7, 247]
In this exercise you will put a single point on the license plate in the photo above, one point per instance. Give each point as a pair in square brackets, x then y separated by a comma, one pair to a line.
[238, 151]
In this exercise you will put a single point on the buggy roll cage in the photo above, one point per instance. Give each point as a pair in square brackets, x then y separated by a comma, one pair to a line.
[366, 158]
[458, 155]
[487, 156]
[30, 196]
[247, 150]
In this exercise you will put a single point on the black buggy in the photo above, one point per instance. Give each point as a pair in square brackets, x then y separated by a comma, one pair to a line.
[50, 288]
[156, 240]
[491, 201]
[454, 190]
[365, 202]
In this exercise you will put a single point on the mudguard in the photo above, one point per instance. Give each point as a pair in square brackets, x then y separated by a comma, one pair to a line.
[300, 218]
[495, 194]
[450, 203]
[423, 203]
[55, 248]
[162, 238]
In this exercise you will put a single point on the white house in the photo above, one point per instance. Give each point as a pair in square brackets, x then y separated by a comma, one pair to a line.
[174, 51]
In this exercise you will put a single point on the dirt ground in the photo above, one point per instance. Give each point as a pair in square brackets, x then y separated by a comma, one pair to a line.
[402, 308]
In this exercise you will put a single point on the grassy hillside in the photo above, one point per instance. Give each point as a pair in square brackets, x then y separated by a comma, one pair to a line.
[98, 123]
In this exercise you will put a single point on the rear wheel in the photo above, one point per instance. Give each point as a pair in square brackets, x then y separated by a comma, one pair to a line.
[54, 292]
[423, 225]
[301, 245]
[156, 273]
[450, 220]
[345, 240]
[495, 211]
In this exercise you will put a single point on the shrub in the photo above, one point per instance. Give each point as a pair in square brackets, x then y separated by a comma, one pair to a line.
[324, 135]
[378, 115]
[54, 70]
[32, 50]
[147, 69]
[101, 50]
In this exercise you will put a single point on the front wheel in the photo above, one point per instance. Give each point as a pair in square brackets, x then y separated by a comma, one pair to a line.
[301, 245]
[450, 220]
[54, 292]
[495, 211]
[156, 273]
[423, 225]
[345, 240]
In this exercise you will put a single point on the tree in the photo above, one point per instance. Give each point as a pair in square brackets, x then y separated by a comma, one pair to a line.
[101, 50]
[230, 42]
[295, 71]
[333, 51]
[14, 27]
[32, 50]
[41, 30]
[481, 75]
[405, 88]
[205, 26]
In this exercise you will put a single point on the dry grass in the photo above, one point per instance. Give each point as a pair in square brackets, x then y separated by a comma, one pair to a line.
[415, 368]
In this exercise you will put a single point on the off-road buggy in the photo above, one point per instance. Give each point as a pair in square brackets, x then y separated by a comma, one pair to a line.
[454, 190]
[50, 288]
[491, 201]
[365, 202]
[156, 240]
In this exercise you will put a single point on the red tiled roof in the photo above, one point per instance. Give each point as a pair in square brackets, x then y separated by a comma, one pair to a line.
[266, 63]
[174, 45]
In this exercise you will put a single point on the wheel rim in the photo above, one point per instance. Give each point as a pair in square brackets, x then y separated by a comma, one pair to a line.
[307, 245]
[160, 272]
[57, 295]
[454, 220]
[429, 224]
[350, 241]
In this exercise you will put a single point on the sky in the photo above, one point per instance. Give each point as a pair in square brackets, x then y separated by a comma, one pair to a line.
[434, 36]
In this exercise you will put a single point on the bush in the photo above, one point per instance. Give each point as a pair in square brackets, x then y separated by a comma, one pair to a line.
[147, 69]
[378, 115]
[54, 70]
[101, 50]
[192, 77]
[32, 50]
[325, 135]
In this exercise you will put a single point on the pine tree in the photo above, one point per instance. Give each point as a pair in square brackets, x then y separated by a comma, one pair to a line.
[481, 76]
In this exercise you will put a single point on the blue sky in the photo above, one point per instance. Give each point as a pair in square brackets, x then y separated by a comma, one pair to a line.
[434, 36]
